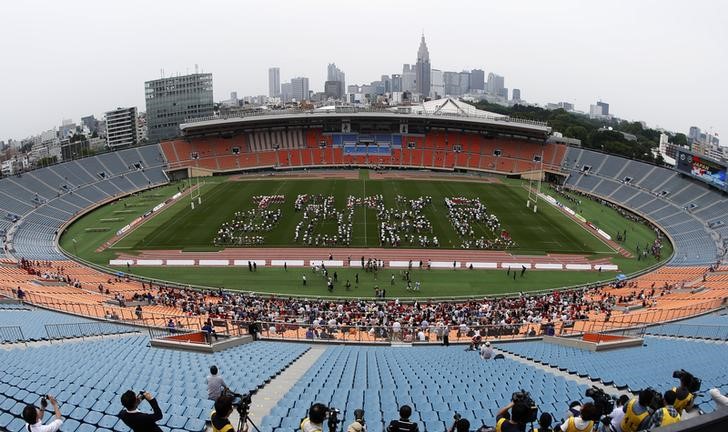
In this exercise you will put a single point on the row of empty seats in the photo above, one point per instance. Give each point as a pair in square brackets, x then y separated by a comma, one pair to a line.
[89, 378]
[40, 201]
[688, 210]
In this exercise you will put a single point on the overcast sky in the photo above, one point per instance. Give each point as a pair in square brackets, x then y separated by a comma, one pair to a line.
[664, 62]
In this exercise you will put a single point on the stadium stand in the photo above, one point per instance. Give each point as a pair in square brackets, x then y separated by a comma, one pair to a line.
[89, 378]
[659, 194]
[627, 368]
[40, 209]
[436, 381]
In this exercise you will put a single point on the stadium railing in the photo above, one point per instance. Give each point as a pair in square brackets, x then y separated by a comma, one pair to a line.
[82, 330]
[11, 334]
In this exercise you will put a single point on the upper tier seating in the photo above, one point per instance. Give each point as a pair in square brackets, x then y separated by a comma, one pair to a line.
[684, 207]
[44, 199]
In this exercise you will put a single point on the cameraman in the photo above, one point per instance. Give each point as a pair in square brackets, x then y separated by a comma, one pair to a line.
[666, 415]
[315, 420]
[220, 416]
[34, 417]
[215, 384]
[637, 412]
[588, 415]
[358, 425]
[138, 421]
[460, 425]
[513, 422]
[403, 424]
[685, 398]
[617, 414]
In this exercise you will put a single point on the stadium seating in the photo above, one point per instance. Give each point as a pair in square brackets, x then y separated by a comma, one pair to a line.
[436, 381]
[650, 365]
[658, 193]
[45, 198]
[89, 378]
[33, 322]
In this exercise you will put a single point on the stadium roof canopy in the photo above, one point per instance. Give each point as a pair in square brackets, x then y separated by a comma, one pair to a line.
[448, 106]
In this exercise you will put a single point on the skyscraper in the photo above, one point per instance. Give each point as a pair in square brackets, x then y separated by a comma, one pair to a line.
[437, 85]
[464, 82]
[495, 85]
[121, 128]
[451, 83]
[274, 82]
[516, 95]
[477, 79]
[286, 92]
[171, 101]
[408, 78]
[422, 69]
[299, 88]
[336, 74]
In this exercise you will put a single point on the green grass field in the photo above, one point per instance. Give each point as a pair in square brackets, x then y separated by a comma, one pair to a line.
[181, 227]
[548, 231]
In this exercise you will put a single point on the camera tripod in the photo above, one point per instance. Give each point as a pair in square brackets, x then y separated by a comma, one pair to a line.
[245, 418]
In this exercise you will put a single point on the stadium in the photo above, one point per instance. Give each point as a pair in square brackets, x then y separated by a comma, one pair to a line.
[359, 258]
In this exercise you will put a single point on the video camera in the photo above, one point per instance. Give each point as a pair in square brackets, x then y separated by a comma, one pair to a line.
[333, 418]
[693, 383]
[242, 402]
[524, 398]
[44, 401]
[603, 401]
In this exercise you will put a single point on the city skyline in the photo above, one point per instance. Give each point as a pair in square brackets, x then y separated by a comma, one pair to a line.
[645, 74]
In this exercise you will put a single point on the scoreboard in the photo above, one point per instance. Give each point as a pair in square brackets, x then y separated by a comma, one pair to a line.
[702, 168]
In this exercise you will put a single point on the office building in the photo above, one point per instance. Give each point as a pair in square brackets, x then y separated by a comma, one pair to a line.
[172, 101]
[286, 92]
[409, 78]
[496, 84]
[451, 83]
[121, 128]
[437, 85]
[605, 108]
[422, 69]
[274, 82]
[333, 73]
[299, 89]
[464, 78]
[333, 89]
[477, 80]
[396, 83]
[516, 96]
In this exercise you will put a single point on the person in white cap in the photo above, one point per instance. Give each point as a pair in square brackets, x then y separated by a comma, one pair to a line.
[486, 352]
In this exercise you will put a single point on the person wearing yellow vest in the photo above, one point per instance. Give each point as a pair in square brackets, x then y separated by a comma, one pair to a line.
[684, 399]
[585, 422]
[666, 415]
[637, 412]
[219, 417]
[544, 423]
[515, 421]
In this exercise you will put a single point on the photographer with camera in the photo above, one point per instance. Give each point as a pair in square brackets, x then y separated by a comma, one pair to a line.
[522, 411]
[689, 385]
[403, 424]
[33, 416]
[138, 421]
[315, 420]
[358, 425]
[215, 384]
[617, 414]
[585, 422]
[459, 424]
[637, 412]
[666, 415]
[220, 417]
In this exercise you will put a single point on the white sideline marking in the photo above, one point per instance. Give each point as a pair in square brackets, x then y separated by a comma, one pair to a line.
[515, 266]
[445, 264]
[482, 265]
[150, 262]
[289, 263]
[115, 262]
[245, 262]
[210, 262]
[578, 267]
[178, 262]
[328, 263]
[549, 266]
[606, 267]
